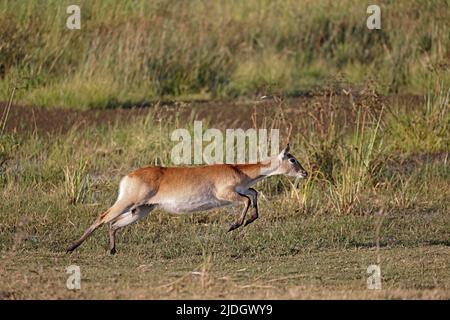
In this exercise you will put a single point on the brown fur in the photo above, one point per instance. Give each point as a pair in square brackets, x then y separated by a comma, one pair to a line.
[188, 189]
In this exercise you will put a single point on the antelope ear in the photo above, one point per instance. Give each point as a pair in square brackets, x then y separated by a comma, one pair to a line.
[284, 152]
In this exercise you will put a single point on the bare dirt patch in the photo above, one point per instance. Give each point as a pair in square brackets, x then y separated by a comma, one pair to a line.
[220, 114]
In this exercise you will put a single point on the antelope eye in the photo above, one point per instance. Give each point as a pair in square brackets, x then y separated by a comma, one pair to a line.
[292, 160]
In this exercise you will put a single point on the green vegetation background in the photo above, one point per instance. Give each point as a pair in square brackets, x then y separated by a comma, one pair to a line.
[128, 52]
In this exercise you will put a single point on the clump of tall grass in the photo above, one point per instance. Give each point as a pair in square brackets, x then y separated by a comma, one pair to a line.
[406, 192]
[76, 182]
[342, 155]
[426, 129]
[357, 160]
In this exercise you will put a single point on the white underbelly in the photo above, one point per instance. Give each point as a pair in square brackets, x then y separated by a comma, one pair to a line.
[192, 205]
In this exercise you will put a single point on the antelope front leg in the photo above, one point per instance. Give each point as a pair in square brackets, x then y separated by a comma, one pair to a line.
[239, 223]
[229, 194]
[254, 216]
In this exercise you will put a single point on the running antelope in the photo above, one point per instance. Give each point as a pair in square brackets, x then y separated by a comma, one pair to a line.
[189, 189]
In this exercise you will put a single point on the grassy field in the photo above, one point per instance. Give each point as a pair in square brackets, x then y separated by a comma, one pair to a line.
[132, 52]
[366, 112]
[378, 193]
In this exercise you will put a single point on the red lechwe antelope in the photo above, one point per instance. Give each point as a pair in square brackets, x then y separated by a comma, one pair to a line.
[189, 189]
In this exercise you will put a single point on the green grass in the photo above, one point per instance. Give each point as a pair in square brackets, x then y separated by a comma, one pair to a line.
[424, 130]
[130, 52]
[313, 240]
[372, 162]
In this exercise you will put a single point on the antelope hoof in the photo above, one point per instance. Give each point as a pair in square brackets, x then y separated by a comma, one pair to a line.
[112, 251]
[71, 248]
[235, 225]
[250, 220]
